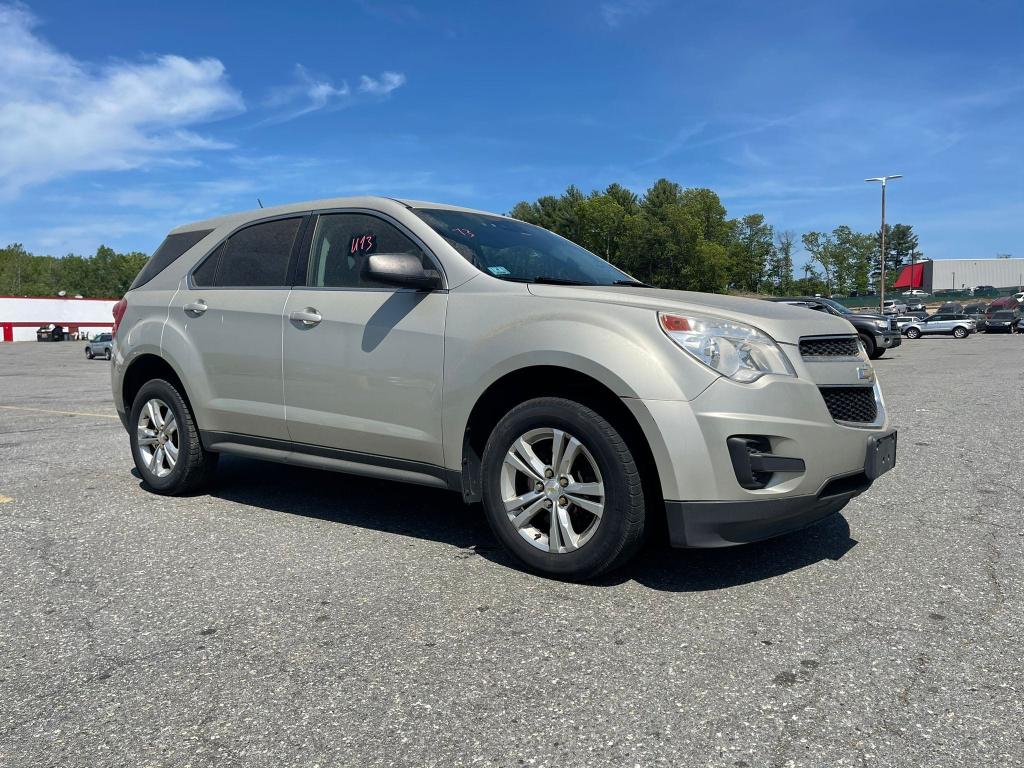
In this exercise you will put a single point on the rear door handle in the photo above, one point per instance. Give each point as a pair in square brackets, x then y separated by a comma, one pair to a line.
[196, 307]
[308, 317]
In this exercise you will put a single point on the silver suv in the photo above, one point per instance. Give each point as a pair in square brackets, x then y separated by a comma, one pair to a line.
[462, 350]
[960, 326]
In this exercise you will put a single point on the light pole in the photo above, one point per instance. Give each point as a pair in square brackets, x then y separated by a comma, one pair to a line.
[881, 289]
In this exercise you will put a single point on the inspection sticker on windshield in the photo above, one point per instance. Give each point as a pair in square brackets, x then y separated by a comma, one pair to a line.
[498, 271]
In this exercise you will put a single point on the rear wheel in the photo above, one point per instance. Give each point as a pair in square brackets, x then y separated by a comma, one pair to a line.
[88, 353]
[165, 441]
[913, 333]
[960, 333]
[107, 353]
[561, 489]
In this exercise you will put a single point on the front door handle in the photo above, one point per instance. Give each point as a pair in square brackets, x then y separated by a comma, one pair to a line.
[308, 317]
[196, 307]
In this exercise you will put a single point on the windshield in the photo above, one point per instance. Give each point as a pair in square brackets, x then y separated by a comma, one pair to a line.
[837, 306]
[513, 250]
[1003, 315]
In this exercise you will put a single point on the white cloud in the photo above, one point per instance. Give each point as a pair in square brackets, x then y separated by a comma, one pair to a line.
[59, 115]
[306, 94]
[311, 93]
[383, 85]
[614, 13]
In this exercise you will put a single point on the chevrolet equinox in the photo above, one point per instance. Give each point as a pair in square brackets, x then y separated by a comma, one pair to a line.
[462, 350]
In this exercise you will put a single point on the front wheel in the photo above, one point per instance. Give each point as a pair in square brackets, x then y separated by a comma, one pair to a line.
[913, 333]
[561, 489]
[107, 353]
[88, 353]
[869, 346]
[165, 441]
[960, 333]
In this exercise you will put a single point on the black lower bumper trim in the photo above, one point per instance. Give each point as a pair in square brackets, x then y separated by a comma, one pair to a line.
[699, 524]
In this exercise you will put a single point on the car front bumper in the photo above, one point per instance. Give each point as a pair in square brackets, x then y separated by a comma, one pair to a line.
[706, 505]
[888, 339]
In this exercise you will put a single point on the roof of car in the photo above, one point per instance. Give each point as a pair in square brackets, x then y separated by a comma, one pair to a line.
[377, 202]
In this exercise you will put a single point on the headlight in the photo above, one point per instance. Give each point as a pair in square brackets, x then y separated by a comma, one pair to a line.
[883, 324]
[741, 352]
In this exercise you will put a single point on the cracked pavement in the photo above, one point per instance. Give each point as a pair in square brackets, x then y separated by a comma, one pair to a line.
[295, 617]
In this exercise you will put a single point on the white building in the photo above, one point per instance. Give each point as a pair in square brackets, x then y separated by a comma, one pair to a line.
[947, 274]
[21, 316]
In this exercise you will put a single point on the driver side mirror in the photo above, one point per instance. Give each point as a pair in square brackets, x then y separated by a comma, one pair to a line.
[403, 270]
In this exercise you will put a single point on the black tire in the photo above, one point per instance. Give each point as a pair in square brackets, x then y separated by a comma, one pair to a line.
[107, 353]
[913, 333]
[194, 466]
[88, 353]
[869, 345]
[621, 528]
[959, 333]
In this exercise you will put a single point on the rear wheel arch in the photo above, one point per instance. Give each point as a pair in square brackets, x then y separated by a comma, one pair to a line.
[145, 368]
[540, 381]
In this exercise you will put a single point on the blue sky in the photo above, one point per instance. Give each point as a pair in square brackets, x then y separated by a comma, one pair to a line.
[119, 121]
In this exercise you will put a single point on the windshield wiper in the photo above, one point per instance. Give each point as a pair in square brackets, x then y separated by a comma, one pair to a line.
[633, 283]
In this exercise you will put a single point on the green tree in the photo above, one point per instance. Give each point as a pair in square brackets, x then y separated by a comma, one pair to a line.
[750, 253]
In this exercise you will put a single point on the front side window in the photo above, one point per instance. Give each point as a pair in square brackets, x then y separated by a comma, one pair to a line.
[514, 250]
[344, 241]
[256, 256]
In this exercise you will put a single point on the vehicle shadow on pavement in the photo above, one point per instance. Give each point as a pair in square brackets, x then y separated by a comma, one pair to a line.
[437, 515]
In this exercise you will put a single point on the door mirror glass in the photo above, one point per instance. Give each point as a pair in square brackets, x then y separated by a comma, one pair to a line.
[404, 270]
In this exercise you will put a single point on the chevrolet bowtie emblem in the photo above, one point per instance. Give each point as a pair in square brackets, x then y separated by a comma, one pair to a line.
[866, 374]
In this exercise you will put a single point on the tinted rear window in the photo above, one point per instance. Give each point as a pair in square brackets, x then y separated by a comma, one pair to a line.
[256, 256]
[170, 249]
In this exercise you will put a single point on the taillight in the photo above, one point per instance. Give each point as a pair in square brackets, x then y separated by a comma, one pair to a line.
[118, 311]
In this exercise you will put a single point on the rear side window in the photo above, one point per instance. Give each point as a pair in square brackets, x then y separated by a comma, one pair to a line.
[170, 249]
[343, 242]
[256, 256]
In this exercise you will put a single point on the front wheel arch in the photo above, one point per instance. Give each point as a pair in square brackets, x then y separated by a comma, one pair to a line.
[551, 381]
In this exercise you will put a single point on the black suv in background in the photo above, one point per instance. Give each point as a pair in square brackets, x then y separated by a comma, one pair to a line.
[877, 333]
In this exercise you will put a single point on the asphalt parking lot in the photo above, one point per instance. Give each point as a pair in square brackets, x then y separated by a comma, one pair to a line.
[296, 617]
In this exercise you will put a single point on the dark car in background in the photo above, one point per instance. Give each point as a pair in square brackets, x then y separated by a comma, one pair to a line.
[985, 291]
[50, 333]
[876, 333]
[951, 308]
[1003, 321]
[1006, 302]
[977, 312]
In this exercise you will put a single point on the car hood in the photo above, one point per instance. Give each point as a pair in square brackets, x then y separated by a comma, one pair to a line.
[783, 322]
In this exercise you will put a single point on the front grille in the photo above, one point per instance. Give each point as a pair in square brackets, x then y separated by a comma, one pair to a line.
[855, 404]
[830, 346]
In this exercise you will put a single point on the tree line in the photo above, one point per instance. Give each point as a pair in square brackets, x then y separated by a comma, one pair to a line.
[105, 274]
[669, 236]
[672, 237]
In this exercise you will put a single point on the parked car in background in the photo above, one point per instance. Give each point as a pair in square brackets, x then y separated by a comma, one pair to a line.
[985, 291]
[50, 332]
[915, 305]
[977, 312]
[1006, 302]
[958, 325]
[902, 321]
[99, 346]
[950, 308]
[876, 332]
[1018, 297]
[894, 307]
[483, 355]
[1003, 321]
[915, 292]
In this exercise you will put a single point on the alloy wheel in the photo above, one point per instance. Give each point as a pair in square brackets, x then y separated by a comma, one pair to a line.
[158, 438]
[552, 490]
